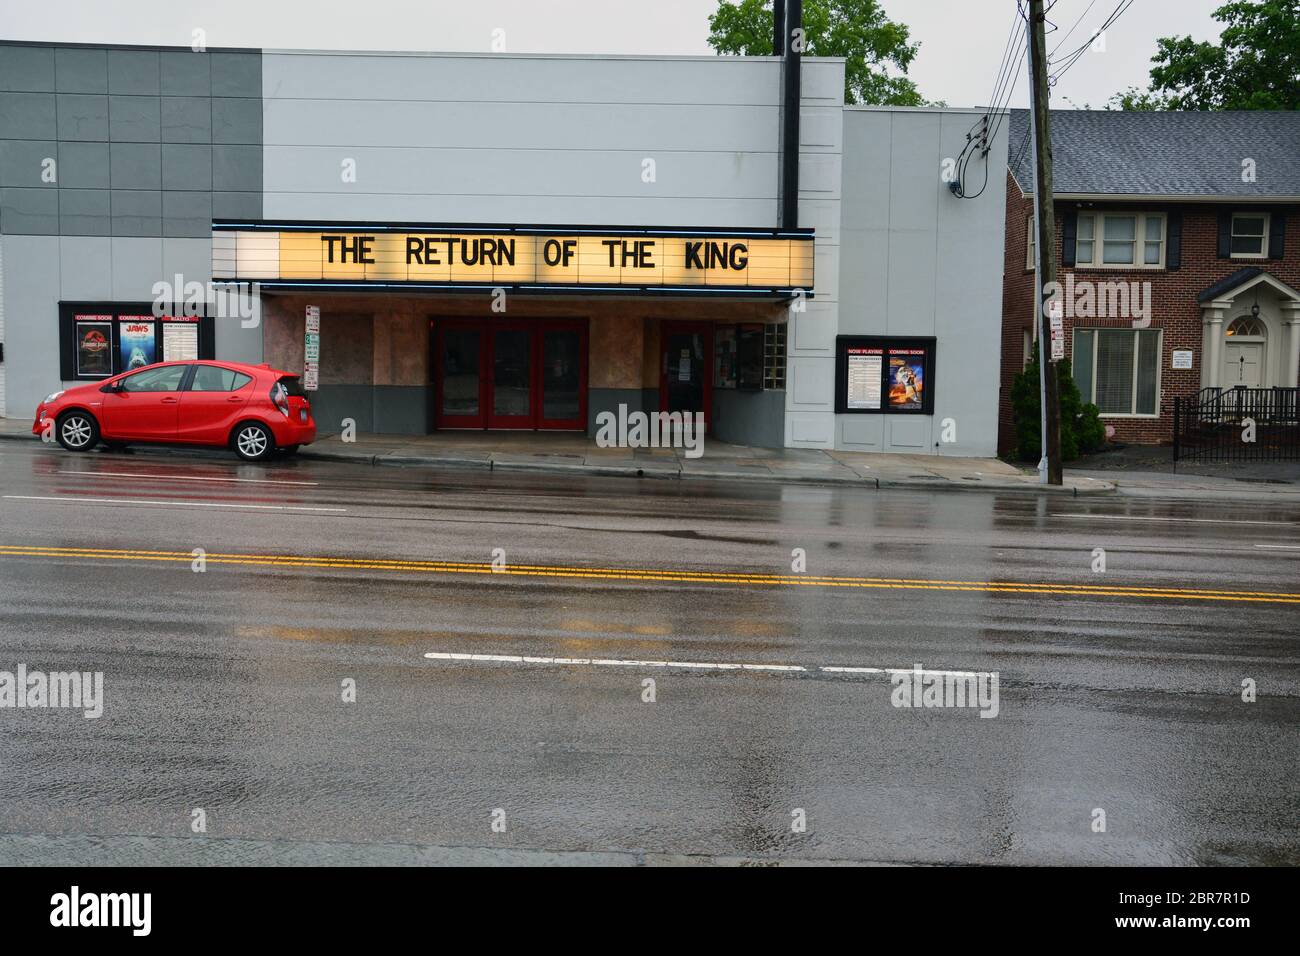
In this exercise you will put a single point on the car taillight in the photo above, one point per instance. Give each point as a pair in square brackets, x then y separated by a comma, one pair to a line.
[281, 398]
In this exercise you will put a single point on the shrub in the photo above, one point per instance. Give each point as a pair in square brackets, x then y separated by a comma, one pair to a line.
[1082, 432]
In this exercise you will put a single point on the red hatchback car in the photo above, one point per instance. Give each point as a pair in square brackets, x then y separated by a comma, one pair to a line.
[254, 409]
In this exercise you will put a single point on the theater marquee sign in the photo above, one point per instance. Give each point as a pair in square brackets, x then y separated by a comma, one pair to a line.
[754, 262]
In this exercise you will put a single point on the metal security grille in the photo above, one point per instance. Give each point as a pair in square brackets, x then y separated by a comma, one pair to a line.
[1238, 424]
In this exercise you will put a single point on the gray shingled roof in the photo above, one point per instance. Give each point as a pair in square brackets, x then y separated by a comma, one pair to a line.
[1113, 152]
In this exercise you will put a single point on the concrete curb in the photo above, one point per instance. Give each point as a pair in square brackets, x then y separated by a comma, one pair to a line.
[635, 471]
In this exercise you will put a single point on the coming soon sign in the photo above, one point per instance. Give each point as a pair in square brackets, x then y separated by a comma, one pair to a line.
[764, 262]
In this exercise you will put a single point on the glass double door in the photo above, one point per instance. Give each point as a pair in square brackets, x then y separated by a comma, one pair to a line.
[516, 373]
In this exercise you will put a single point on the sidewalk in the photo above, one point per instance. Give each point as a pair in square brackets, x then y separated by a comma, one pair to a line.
[560, 452]
[576, 454]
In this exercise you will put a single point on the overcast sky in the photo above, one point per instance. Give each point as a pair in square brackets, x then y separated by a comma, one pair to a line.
[961, 40]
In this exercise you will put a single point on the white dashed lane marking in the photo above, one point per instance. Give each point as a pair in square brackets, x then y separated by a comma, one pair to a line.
[690, 665]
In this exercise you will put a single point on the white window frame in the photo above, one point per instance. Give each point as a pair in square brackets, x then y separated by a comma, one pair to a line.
[1136, 333]
[1139, 240]
[1263, 240]
[1031, 263]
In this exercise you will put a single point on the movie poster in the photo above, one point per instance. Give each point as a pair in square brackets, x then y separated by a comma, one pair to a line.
[94, 348]
[138, 346]
[907, 379]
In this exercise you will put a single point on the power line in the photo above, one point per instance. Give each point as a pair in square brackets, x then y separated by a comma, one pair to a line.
[1076, 54]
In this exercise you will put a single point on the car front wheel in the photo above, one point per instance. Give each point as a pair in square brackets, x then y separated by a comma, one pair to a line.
[253, 442]
[77, 431]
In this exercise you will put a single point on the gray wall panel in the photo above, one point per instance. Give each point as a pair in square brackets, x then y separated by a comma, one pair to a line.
[236, 120]
[136, 212]
[135, 165]
[133, 71]
[236, 74]
[33, 212]
[80, 70]
[27, 116]
[21, 161]
[494, 77]
[186, 166]
[456, 172]
[185, 73]
[920, 261]
[85, 212]
[134, 119]
[31, 285]
[87, 275]
[188, 214]
[186, 119]
[27, 68]
[83, 116]
[521, 138]
[237, 168]
[654, 128]
[84, 166]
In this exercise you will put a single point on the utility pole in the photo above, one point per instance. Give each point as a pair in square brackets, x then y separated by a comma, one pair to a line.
[1049, 466]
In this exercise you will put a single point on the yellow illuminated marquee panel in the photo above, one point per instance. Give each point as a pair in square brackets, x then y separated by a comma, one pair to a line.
[775, 262]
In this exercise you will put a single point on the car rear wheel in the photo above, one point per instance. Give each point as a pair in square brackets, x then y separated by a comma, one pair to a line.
[253, 442]
[77, 431]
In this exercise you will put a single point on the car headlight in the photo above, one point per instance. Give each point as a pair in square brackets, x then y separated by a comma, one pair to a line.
[51, 397]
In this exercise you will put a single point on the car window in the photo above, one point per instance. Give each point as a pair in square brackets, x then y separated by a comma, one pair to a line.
[292, 386]
[210, 378]
[165, 379]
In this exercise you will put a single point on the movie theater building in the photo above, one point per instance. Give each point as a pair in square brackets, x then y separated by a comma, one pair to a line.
[448, 242]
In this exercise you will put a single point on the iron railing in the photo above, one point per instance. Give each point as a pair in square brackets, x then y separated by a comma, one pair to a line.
[1238, 424]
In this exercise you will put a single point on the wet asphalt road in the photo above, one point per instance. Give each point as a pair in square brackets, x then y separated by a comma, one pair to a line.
[223, 688]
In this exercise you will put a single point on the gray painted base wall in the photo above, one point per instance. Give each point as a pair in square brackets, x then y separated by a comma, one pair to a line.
[401, 409]
[749, 418]
[331, 404]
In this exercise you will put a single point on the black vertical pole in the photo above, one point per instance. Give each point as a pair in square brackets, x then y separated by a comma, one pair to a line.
[778, 28]
[790, 115]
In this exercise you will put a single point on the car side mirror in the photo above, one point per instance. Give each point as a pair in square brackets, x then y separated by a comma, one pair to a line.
[112, 387]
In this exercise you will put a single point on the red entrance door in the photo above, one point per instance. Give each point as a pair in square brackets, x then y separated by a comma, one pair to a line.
[510, 373]
[686, 367]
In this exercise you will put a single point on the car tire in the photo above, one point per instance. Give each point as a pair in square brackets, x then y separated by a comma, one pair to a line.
[253, 441]
[77, 430]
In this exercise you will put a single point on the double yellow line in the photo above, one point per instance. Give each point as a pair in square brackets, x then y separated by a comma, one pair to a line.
[654, 575]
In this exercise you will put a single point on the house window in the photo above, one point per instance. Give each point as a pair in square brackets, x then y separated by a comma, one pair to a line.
[1249, 235]
[1118, 370]
[1031, 262]
[1112, 240]
[1246, 325]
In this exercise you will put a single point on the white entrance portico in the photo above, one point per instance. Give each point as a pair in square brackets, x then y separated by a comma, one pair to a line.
[1250, 332]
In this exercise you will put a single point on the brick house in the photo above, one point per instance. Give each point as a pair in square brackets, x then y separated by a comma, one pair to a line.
[1173, 254]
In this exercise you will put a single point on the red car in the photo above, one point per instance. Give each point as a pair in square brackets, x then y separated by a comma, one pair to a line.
[254, 409]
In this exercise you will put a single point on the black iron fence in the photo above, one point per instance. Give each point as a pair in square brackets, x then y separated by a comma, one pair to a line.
[1238, 424]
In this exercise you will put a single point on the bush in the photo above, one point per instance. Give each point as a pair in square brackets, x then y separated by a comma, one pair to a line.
[1082, 432]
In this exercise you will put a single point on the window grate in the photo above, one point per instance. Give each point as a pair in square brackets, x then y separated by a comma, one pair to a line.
[774, 356]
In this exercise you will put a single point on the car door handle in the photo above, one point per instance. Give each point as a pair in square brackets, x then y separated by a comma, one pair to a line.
[169, 400]
[235, 398]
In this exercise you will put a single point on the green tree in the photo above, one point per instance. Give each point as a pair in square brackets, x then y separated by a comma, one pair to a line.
[857, 30]
[1254, 66]
[1082, 431]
